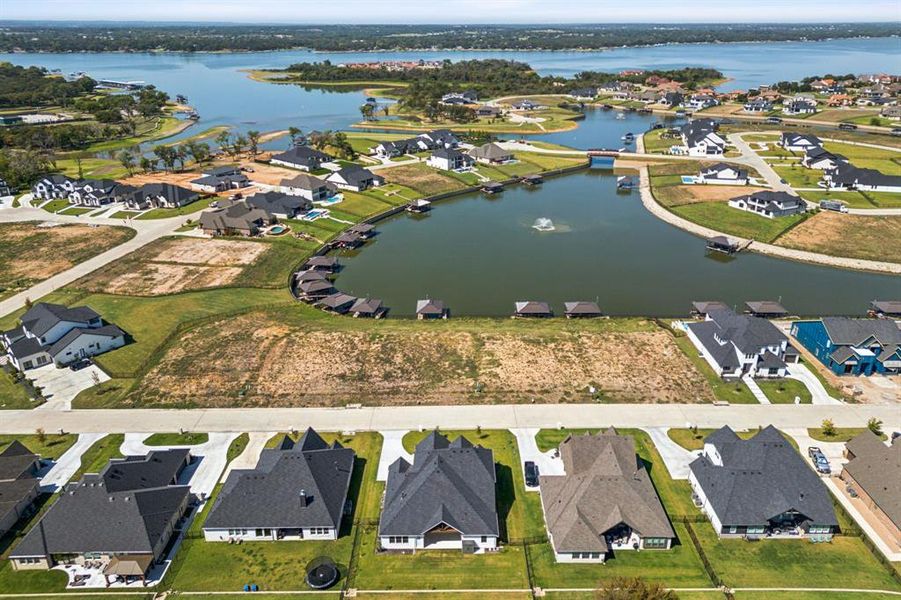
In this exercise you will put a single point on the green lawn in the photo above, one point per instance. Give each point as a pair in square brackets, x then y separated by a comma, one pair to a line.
[177, 439]
[799, 176]
[784, 391]
[734, 392]
[56, 205]
[694, 440]
[124, 214]
[850, 198]
[97, 456]
[722, 217]
[842, 434]
[655, 144]
[48, 445]
[13, 396]
[188, 209]
[236, 448]
[885, 161]
[845, 562]
[209, 566]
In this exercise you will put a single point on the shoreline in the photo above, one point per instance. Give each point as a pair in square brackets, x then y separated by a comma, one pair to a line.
[442, 49]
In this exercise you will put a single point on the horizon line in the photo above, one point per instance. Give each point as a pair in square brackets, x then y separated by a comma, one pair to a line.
[439, 24]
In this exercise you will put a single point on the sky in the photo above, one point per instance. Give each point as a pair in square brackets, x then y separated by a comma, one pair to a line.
[455, 11]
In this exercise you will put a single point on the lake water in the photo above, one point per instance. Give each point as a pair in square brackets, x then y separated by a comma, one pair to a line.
[481, 254]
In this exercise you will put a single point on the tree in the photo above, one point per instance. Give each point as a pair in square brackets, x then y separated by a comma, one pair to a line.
[367, 110]
[28, 302]
[78, 166]
[253, 140]
[199, 151]
[828, 427]
[181, 98]
[622, 588]
[40, 435]
[147, 164]
[181, 153]
[127, 158]
[875, 425]
[223, 140]
[293, 132]
[238, 145]
[167, 155]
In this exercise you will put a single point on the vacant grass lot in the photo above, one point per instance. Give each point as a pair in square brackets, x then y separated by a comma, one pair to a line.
[884, 161]
[31, 254]
[799, 176]
[854, 236]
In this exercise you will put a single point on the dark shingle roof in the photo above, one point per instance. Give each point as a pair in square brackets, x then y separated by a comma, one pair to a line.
[43, 316]
[278, 203]
[73, 334]
[270, 494]
[303, 155]
[157, 469]
[760, 478]
[450, 483]
[853, 332]
[15, 461]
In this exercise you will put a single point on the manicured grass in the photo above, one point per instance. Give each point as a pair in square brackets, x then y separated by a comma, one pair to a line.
[13, 396]
[849, 198]
[30, 582]
[721, 217]
[212, 566]
[177, 439]
[679, 566]
[799, 176]
[76, 210]
[124, 214]
[784, 391]
[236, 448]
[883, 199]
[844, 562]
[654, 143]
[694, 440]
[48, 446]
[822, 595]
[97, 456]
[842, 434]
[734, 392]
[56, 205]
[865, 157]
[188, 209]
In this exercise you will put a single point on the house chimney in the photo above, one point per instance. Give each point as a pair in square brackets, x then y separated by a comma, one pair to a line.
[303, 497]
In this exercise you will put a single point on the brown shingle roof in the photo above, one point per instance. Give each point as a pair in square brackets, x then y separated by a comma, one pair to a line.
[877, 469]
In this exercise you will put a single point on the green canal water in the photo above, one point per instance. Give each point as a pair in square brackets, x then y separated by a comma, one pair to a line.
[481, 254]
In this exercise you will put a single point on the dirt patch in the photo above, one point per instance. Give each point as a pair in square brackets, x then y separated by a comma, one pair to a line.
[846, 235]
[30, 253]
[257, 360]
[176, 265]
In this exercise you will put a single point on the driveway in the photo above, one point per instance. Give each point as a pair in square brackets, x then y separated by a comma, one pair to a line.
[61, 471]
[675, 457]
[248, 459]
[818, 393]
[204, 472]
[392, 449]
[832, 450]
[60, 386]
[547, 462]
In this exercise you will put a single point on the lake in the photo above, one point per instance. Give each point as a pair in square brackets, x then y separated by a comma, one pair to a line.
[481, 254]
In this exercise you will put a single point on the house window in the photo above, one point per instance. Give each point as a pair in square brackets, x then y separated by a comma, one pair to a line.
[484, 539]
[655, 543]
[398, 539]
[756, 530]
[733, 530]
[318, 530]
[263, 532]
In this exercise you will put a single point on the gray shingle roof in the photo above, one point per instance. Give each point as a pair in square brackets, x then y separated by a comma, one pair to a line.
[156, 469]
[761, 478]
[766, 307]
[73, 334]
[303, 155]
[15, 460]
[430, 307]
[749, 334]
[725, 355]
[270, 494]
[449, 483]
[490, 151]
[532, 307]
[605, 485]
[853, 332]
[25, 347]
[278, 203]
[43, 316]
[582, 308]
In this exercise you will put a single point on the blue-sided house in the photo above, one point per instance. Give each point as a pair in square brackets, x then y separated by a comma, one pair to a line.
[852, 346]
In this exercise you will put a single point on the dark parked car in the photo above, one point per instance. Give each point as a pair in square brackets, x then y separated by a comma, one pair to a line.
[847, 126]
[896, 131]
[773, 120]
[80, 364]
[531, 474]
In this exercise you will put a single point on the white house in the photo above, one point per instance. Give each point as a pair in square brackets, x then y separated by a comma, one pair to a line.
[53, 186]
[819, 158]
[757, 105]
[723, 174]
[445, 500]
[799, 106]
[306, 186]
[449, 159]
[734, 345]
[799, 142]
[220, 179]
[847, 176]
[354, 178]
[700, 138]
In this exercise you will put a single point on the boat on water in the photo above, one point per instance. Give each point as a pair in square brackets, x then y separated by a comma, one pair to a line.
[625, 182]
[620, 116]
[628, 138]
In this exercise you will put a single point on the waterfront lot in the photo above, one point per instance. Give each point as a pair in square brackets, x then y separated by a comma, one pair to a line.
[30, 254]
[301, 356]
[856, 236]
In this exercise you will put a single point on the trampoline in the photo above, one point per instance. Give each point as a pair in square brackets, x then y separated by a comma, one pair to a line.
[322, 573]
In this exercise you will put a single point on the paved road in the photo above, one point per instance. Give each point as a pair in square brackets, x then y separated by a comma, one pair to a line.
[411, 418]
[147, 231]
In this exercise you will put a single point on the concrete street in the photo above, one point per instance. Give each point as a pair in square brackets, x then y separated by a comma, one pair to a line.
[409, 418]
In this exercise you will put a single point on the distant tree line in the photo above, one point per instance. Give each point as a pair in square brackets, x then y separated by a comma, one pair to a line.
[41, 37]
[31, 86]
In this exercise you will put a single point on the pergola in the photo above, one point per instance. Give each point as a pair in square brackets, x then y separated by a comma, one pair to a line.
[132, 566]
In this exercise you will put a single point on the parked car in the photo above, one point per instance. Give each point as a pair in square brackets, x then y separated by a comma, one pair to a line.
[773, 120]
[80, 364]
[847, 126]
[813, 451]
[531, 474]
[896, 131]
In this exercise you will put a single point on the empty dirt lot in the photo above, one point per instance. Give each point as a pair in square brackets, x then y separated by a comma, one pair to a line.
[280, 358]
[846, 235]
[176, 265]
[30, 253]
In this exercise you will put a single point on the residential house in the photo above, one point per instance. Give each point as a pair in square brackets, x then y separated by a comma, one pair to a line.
[301, 157]
[891, 112]
[444, 500]
[123, 517]
[847, 176]
[583, 94]
[449, 159]
[735, 345]
[438, 138]
[221, 179]
[491, 153]
[817, 157]
[723, 174]
[307, 186]
[838, 100]
[491, 112]
[98, 192]
[279, 204]
[295, 492]
[53, 333]
[604, 503]
[757, 105]
[160, 195]
[700, 101]
[53, 186]
[852, 346]
[672, 99]
[760, 487]
[19, 486]
[526, 105]
[799, 142]
[467, 97]
[235, 218]
[5, 190]
[699, 137]
[769, 204]
[874, 472]
[354, 178]
[799, 106]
